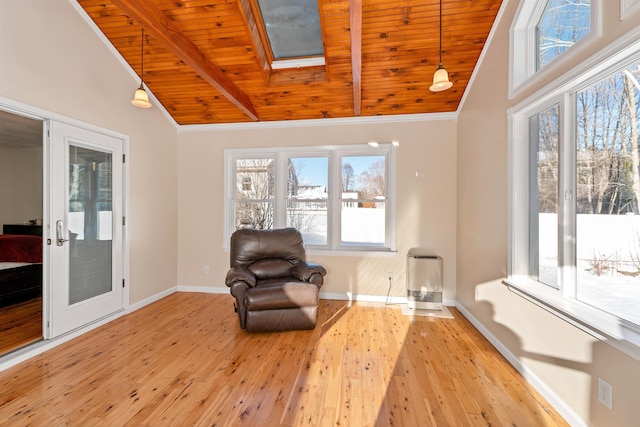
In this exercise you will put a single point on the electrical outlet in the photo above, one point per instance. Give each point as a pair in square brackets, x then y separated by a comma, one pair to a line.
[206, 269]
[605, 393]
[389, 275]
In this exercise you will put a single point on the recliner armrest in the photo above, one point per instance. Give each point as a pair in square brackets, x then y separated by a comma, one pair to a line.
[305, 270]
[240, 274]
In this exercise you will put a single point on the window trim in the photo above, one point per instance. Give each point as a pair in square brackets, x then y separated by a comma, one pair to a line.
[617, 332]
[523, 50]
[334, 153]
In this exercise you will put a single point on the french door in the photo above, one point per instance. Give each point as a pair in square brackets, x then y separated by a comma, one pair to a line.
[84, 228]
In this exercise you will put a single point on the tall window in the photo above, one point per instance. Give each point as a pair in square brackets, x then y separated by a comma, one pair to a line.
[575, 215]
[338, 197]
[607, 194]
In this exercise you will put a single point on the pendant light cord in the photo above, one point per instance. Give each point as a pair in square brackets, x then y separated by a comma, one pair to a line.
[440, 33]
[142, 55]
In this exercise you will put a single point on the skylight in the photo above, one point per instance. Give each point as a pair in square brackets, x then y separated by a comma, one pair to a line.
[293, 28]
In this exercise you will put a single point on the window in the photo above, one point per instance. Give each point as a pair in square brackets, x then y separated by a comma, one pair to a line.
[575, 193]
[363, 201]
[562, 24]
[307, 198]
[340, 198]
[254, 193]
[544, 31]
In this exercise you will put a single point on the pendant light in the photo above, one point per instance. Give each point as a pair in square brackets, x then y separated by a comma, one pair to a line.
[440, 77]
[141, 97]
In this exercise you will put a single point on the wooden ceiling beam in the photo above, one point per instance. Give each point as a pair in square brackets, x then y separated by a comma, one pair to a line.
[251, 21]
[156, 23]
[355, 19]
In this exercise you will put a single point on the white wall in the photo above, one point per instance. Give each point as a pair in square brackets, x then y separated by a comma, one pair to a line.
[562, 356]
[20, 184]
[54, 61]
[426, 204]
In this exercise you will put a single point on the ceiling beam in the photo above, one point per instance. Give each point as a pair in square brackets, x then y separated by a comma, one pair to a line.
[258, 46]
[355, 20]
[156, 23]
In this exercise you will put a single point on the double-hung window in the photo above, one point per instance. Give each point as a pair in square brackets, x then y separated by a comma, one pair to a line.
[339, 197]
[575, 196]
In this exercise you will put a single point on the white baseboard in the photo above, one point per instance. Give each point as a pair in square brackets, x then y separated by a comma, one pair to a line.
[205, 289]
[541, 387]
[373, 298]
[153, 298]
[346, 296]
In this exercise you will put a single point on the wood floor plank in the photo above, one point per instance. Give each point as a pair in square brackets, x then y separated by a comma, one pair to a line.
[184, 360]
[20, 325]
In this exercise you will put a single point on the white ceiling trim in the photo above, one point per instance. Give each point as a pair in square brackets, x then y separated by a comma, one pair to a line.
[400, 118]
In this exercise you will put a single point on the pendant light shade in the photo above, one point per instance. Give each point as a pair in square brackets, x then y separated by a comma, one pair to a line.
[441, 76]
[440, 80]
[141, 97]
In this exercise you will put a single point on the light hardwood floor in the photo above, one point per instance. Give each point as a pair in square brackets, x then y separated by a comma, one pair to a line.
[184, 361]
[20, 325]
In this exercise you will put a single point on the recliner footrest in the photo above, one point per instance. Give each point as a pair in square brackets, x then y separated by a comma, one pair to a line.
[278, 296]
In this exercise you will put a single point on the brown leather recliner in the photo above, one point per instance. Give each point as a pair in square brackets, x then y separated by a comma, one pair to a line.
[274, 287]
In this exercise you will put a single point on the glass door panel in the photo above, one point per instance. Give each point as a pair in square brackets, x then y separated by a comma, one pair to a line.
[90, 223]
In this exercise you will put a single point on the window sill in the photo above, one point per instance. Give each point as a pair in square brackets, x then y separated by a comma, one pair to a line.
[621, 335]
[356, 252]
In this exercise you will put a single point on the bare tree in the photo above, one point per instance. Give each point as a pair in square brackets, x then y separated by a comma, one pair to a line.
[548, 160]
[607, 174]
[632, 85]
[348, 177]
[372, 180]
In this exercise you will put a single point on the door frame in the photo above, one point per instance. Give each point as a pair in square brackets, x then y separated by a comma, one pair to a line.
[48, 229]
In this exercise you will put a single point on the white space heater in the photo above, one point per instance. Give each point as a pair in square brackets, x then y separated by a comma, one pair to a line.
[424, 280]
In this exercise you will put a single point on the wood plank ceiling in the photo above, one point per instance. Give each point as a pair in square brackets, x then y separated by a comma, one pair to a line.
[208, 61]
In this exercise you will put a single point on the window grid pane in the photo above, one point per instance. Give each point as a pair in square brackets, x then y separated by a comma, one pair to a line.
[307, 196]
[543, 199]
[363, 207]
[607, 193]
[255, 181]
[562, 24]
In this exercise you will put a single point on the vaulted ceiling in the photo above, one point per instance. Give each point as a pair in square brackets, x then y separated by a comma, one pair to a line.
[209, 61]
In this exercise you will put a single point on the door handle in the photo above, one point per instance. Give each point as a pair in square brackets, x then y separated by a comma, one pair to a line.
[60, 233]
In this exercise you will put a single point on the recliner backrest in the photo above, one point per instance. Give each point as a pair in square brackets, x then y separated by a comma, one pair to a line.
[248, 246]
